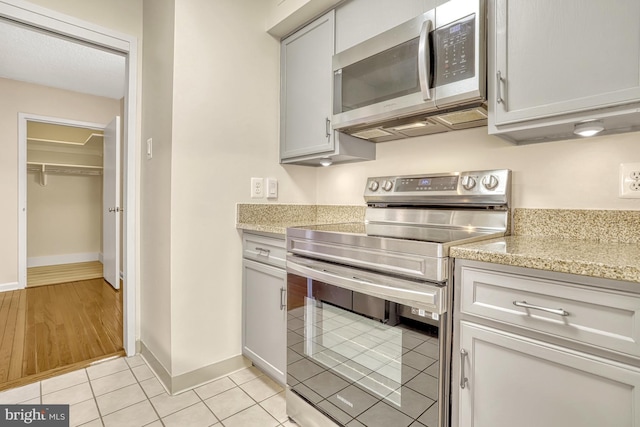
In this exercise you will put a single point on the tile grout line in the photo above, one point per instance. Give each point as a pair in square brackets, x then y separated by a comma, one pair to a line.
[251, 397]
[144, 392]
[218, 420]
[235, 383]
[112, 391]
[95, 400]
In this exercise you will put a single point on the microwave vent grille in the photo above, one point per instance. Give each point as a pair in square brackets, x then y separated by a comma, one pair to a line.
[371, 133]
[461, 117]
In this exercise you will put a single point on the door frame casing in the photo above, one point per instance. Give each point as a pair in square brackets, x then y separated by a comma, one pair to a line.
[65, 25]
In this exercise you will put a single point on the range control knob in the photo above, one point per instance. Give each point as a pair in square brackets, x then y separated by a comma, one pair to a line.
[387, 185]
[373, 185]
[468, 182]
[490, 182]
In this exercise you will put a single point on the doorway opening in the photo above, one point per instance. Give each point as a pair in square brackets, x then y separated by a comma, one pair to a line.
[73, 194]
[71, 174]
[98, 38]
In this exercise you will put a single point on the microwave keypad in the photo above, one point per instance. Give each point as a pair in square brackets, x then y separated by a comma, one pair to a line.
[455, 47]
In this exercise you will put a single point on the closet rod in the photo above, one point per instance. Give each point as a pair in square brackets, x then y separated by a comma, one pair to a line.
[45, 168]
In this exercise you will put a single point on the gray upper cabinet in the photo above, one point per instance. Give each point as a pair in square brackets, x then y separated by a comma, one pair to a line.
[306, 135]
[552, 60]
[359, 20]
[306, 83]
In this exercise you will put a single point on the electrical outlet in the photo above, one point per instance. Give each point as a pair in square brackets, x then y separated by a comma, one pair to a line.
[630, 180]
[257, 188]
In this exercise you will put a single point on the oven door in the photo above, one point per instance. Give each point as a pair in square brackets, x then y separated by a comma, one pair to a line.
[364, 347]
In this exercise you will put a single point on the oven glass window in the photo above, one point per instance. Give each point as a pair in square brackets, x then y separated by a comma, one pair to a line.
[387, 75]
[351, 367]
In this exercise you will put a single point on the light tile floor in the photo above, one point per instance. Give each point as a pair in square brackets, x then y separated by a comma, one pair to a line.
[124, 392]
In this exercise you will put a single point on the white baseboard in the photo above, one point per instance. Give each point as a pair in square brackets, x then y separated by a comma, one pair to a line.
[187, 381]
[100, 257]
[12, 286]
[62, 259]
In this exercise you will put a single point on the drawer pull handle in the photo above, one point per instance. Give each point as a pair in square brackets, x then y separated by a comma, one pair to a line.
[558, 311]
[463, 379]
[262, 251]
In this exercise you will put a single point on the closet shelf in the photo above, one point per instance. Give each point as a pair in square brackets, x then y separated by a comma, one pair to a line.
[45, 168]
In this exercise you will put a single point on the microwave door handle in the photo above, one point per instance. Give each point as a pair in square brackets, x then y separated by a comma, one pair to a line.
[424, 60]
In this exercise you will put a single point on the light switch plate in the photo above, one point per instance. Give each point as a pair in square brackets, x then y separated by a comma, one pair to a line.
[272, 188]
[149, 148]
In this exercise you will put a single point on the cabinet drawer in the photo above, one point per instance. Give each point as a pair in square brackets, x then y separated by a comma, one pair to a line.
[268, 250]
[604, 318]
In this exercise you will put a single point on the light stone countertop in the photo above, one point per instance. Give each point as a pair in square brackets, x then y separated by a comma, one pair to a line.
[276, 218]
[597, 243]
[608, 260]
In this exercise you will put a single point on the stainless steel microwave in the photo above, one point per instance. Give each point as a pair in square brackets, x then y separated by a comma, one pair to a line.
[425, 76]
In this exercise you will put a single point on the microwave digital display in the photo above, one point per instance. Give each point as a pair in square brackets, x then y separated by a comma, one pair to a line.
[454, 29]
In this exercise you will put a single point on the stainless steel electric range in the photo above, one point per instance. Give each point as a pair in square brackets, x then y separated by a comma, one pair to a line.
[369, 304]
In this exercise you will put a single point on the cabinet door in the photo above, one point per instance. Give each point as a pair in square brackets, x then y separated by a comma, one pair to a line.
[306, 90]
[559, 57]
[381, 15]
[264, 316]
[515, 381]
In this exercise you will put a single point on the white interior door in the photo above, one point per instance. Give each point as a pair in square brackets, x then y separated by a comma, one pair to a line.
[111, 204]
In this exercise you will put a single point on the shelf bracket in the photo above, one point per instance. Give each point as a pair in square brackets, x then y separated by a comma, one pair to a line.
[43, 176]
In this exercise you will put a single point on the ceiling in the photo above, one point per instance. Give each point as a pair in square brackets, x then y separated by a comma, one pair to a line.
[35, 56]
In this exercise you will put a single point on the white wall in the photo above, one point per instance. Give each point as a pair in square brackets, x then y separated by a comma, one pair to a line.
[572, 174]
[65, 216]
[29, 98]
[155, 194]
[225, 130]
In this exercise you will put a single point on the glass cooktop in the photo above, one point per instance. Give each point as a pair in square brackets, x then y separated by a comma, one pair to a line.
[403, 231]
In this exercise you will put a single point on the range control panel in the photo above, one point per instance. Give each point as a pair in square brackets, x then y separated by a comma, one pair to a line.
[456, 187]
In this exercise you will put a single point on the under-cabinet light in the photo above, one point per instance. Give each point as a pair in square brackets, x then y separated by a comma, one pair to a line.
[326, 161]
[588, 128]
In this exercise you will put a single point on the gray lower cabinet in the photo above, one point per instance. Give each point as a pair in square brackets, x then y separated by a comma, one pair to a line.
[264, 313]
[537, 349]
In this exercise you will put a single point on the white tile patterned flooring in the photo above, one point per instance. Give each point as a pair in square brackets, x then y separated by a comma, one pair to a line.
[124, 392]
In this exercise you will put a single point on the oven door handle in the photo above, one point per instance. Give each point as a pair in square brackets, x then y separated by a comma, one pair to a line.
[414, 294]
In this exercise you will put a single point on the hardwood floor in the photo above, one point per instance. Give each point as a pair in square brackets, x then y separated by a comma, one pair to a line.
[48, 330]
[53, 274]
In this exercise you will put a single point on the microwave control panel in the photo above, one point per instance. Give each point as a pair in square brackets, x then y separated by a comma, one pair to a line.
[455, 48]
